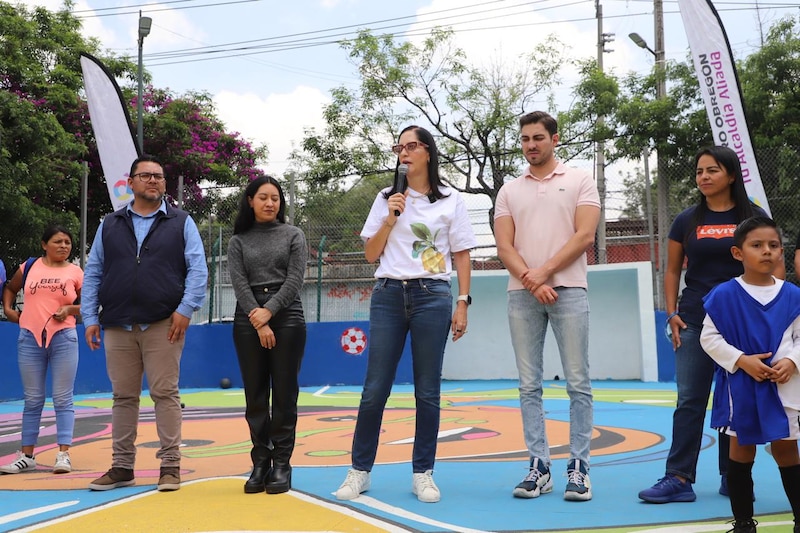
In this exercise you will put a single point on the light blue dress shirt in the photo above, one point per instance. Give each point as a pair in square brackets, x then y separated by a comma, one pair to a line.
[196, 276]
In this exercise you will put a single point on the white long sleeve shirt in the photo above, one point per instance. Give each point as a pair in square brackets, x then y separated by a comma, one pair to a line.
[727, 356]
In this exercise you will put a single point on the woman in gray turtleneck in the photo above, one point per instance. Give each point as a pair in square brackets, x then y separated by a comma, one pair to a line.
[267, 259]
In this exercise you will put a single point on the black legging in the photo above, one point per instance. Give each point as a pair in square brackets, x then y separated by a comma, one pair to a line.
[273, 437]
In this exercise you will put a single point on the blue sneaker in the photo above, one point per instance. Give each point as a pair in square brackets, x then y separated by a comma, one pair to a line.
[579, 488]
[536, 483]
[669, 489]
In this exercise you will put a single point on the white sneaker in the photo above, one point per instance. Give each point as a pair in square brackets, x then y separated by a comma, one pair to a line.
[63, 464]
[424, 487]
[356, 482]
[22, 463]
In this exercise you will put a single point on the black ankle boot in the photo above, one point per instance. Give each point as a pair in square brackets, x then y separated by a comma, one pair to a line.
[279, 479]
[257, 478]
[744, 526]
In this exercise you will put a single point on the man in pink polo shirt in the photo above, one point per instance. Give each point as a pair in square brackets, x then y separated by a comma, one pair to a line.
[545, 221]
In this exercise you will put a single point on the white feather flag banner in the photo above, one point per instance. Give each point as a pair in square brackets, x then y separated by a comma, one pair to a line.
[111, 124]
[716, 72]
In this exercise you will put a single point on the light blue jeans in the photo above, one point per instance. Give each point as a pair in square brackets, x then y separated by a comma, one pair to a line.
[62, 358]
[569, 318]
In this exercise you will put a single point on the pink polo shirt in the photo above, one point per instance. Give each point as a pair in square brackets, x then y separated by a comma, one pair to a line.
[544, 218]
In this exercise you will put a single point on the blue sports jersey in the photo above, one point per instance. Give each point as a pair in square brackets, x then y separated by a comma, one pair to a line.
[757, 413]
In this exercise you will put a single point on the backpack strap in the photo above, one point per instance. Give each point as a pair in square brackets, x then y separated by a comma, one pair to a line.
[27, 268]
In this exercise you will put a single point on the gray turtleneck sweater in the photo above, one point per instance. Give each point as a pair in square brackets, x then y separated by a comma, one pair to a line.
[270, 253]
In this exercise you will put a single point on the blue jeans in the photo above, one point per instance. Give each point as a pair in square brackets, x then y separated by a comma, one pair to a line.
[694, 373]
[62, 358]
[422, 307]
[569, 318]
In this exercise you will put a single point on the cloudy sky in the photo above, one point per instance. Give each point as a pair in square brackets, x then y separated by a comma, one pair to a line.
[270, 65]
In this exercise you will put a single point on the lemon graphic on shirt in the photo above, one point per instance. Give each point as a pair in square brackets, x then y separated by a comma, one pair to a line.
[432, 258]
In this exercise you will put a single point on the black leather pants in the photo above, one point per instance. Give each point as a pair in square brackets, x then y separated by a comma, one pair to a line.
[275, 371]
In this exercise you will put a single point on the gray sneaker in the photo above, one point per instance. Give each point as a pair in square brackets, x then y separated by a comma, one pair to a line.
[63, 463]
[113, 479]
[536, 483]
[22, 463]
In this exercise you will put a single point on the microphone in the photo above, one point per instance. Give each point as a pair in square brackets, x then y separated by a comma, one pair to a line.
[400, 186]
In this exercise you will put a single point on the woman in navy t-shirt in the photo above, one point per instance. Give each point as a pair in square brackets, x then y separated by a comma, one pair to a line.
[702, 235]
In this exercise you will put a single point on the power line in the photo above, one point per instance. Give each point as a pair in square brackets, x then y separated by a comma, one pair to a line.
[156, 10]
[209, 53]
[314, 42]
[373, 23]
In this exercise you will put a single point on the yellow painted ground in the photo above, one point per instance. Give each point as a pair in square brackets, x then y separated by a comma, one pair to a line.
[216, 505]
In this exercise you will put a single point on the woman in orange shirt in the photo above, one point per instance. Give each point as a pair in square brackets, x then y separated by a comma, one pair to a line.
[47, 337]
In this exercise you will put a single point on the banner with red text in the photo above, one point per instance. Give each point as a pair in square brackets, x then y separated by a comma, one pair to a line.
[719, 84]
[116, 141]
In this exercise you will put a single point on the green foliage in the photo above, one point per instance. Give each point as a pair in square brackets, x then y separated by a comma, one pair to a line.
[38, 156]
[339, 215]
[769, 82]
[677, 126]
[45, 132]
[473, 112]
[596, 97]
[189, 138]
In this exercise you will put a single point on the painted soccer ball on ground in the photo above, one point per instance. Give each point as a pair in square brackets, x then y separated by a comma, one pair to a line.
[354, 341]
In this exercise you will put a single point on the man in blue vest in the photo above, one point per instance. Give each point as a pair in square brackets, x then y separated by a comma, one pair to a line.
[145, 276]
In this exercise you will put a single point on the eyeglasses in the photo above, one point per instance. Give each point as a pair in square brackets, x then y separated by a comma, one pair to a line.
[409, 147]
[147, 176]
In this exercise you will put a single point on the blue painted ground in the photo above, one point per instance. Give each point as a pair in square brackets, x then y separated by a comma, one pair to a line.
[476, 494]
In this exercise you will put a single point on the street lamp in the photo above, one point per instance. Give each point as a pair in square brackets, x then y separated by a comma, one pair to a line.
[641, 43]
[661, 182]
[144, 31]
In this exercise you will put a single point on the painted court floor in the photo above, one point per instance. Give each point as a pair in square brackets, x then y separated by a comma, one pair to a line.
[479, 461]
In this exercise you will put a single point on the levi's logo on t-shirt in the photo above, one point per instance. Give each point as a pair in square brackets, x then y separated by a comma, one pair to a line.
[719, 231]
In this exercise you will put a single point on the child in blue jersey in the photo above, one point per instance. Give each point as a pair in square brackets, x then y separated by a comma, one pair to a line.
[752, 331]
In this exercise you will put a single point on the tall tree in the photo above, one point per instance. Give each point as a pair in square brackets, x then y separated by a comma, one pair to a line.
[45, 131]
[677, 125]
[39, 159]
[772, 100]
[472, 111]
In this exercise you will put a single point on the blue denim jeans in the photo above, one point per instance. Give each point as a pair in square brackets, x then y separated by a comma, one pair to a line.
[62, 358]
[422, 307]
[569, 317]
[694, 373]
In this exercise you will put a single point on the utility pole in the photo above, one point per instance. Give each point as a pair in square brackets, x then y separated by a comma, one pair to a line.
[662, 206]
[292, 192]
[662, 183]
[144, 30]
[599, 145]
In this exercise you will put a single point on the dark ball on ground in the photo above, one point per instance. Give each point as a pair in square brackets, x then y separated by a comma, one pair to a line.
[183, 405]
[225, 383]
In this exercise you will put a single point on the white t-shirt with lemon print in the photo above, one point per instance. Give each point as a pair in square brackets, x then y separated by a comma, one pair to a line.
[420, 243]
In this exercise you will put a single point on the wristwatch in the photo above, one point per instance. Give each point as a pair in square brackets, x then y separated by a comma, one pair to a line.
[464, 298]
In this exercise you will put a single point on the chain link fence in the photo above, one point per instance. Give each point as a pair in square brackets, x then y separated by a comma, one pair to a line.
[339, 280]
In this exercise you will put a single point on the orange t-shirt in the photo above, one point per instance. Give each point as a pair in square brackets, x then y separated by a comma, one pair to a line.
[46, 289]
